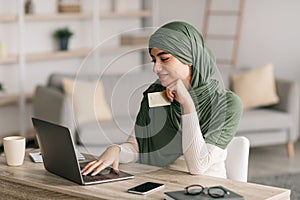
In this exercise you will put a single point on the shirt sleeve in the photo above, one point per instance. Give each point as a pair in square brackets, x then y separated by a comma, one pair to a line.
[199, 156]
[129, 150]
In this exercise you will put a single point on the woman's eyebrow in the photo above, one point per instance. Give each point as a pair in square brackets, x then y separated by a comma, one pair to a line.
[160, 53]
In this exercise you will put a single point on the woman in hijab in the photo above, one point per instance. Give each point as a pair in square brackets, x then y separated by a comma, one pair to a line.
[201, 119]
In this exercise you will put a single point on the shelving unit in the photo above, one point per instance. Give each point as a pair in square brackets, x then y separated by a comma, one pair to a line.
[13, 59]
[10, 59]
[58, 16]
[8, 18]
[12, 99]
[76, 16]
[118, 14]
[22, 58]
[45, 56]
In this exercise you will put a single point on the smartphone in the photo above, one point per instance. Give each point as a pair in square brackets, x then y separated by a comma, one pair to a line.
[146, 188]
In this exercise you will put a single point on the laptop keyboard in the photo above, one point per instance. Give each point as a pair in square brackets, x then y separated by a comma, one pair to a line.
[89, 178]
[105, 174]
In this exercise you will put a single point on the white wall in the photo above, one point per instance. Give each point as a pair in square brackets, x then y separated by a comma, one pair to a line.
[270, 31]
[271, 34]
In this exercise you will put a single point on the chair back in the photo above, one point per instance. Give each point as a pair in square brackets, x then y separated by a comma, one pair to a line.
[237, 159]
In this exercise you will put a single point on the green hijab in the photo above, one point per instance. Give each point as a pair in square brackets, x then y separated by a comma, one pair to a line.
[158, 130]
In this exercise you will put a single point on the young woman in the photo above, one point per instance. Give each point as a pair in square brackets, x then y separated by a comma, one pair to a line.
[201, 120]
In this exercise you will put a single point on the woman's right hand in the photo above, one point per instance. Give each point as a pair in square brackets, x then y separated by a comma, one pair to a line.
[178, 90]
[109, 157]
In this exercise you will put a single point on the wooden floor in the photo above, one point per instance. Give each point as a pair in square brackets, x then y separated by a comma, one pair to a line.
[264, 161]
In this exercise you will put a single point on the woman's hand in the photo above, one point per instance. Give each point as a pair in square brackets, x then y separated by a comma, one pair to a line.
[177, 90]
[109, 157]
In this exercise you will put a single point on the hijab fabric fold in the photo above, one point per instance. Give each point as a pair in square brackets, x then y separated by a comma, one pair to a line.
[158, 130]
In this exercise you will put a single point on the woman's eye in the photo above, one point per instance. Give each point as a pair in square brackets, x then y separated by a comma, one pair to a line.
[164, 59]
[153, 61]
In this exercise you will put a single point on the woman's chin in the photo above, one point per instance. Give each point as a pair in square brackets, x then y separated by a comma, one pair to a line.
[163, 83]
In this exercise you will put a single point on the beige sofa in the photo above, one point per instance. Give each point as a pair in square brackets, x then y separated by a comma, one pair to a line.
[263, 126]
[269, 125]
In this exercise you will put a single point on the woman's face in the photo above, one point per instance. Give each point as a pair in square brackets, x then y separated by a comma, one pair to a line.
[168, 68]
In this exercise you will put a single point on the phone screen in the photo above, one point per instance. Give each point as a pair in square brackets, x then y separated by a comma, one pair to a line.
[146, 188]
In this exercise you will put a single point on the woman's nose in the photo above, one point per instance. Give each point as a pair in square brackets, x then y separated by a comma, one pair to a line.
[157, 68]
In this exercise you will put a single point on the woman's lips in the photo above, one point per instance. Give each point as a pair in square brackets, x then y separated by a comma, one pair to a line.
[162, 76]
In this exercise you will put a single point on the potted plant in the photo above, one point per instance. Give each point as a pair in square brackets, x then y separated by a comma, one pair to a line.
[1, 90]
[63, 35]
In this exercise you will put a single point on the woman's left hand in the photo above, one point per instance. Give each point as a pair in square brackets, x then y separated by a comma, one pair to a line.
[177, 90]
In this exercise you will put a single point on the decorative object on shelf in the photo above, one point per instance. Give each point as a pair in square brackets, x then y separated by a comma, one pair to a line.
[29, 7]
[63, 35]
[3, 52]
[1, 87]
[67, 6]
[135, 38]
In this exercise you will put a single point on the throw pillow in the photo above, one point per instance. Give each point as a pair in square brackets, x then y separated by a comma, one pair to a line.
[256, 87]
[88, 100]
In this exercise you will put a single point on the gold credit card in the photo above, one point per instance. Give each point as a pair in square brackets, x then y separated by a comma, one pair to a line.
[156, 99]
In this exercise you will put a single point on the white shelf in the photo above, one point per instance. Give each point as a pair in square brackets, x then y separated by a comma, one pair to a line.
[12, 99]
[47, 17]
[8, 18]
[57, 55]
[13, 59]
[58, 16]
[76, 16]
[127, 14]
[124, 48]
[46, 56]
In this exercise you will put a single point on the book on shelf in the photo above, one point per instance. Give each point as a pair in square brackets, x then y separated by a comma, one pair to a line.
[181, 195]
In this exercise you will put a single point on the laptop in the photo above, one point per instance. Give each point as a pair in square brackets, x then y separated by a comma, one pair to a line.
[59, 155]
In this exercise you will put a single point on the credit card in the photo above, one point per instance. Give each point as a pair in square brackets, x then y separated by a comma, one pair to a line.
[157, 99]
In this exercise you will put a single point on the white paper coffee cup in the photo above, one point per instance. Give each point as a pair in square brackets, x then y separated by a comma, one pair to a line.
[14, 150]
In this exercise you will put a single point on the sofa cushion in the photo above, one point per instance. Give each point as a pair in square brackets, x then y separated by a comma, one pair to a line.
[55, 79]
[123, 92]
[256, 87]
[264, 119]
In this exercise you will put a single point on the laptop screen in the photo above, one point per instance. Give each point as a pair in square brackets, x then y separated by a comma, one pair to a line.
[59, 155]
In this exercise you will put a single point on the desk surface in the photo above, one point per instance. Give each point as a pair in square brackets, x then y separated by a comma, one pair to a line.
[31, 180]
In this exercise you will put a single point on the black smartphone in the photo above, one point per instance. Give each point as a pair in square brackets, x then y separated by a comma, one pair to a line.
[146, 188]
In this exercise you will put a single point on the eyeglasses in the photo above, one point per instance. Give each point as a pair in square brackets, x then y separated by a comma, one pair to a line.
[215, 192]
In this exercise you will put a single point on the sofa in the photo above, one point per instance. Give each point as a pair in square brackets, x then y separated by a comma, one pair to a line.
[274, 124]
[122, 93]
[277, 124]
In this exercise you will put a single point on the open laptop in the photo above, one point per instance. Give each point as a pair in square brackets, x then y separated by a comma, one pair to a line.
[59, 155]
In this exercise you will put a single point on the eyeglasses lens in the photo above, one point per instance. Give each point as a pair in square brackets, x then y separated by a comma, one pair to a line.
[194, 190]
[216, 192]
